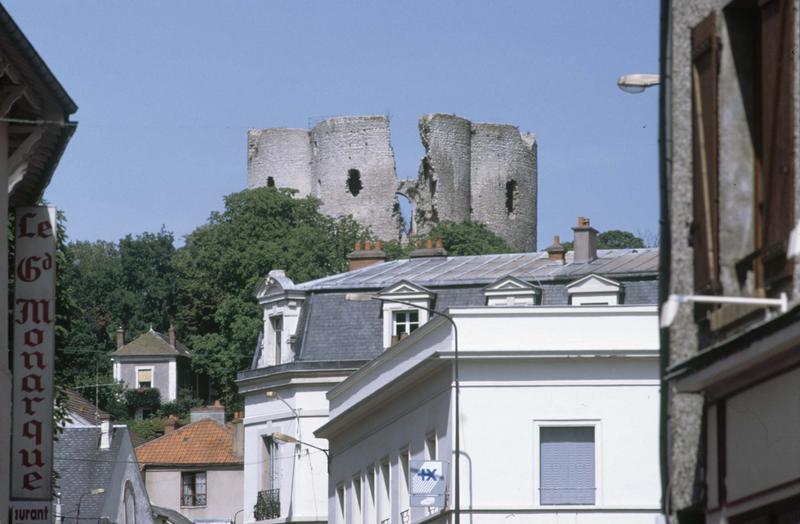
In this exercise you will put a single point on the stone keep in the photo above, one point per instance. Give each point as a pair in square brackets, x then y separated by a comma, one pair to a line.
[470, 171]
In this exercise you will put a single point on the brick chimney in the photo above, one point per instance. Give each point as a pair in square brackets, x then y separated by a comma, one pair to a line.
[172, 339]
[170, 424]
[430, 249]
[555, 253]
[585, 244]
[370, 255]
[120, 337]
[105, 431]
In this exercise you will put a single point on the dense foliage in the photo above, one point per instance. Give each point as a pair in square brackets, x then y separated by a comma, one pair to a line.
[207, 287]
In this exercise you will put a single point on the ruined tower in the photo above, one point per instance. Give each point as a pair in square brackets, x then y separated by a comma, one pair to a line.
[481, 172]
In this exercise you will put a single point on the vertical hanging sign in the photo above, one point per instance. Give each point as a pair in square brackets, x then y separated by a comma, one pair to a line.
[34, 311]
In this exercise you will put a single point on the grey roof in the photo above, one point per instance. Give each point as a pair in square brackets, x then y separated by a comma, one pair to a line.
[333, 329]
[83, 467]
[152, 343]
[170, 515]
[485, 269]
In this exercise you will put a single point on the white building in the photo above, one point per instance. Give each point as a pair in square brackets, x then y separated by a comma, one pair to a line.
[558, 418]
[314, 339]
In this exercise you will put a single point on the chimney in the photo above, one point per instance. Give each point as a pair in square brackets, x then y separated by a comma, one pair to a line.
[215, 413]
[585, 244]
[370, 255]
[238, 434]
[170, 424]
[430, 249]
[555, 253]
[120, 337]
[105, 431]
[172, 335]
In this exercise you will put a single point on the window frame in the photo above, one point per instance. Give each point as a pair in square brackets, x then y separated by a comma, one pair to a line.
[152, 376]
[195, 495]
[409, 323]
[598, 462]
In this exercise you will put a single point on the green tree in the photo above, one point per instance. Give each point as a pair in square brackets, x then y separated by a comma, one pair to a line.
[458, 238]
[223, 260]
[614, 239]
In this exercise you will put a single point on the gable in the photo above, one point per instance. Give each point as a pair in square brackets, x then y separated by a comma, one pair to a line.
[594, 289]
[510, 291]
[405, 288]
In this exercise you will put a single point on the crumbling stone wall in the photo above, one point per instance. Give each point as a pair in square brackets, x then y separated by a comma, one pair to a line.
[482, 172]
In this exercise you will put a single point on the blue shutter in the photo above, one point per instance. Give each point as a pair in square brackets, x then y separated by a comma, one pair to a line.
[566, 465]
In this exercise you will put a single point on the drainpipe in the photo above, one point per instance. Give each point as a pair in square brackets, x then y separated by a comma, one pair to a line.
[665, 247]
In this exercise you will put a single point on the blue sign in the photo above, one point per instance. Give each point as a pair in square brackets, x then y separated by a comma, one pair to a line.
[428, 486]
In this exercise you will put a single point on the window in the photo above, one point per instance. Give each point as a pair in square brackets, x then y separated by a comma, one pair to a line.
[277, 333]
[130, 504]
[354, 185]
[355, 512]
[430, 446]
[566, 465]
[385, 505]
[144, 378]
[269, 472]
[405, 322]
[194, 488]
[340, 517]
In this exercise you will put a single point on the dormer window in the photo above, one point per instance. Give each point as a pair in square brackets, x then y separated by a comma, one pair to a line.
[281, 303]
[405, 322]
[277, 337]
[400, 316]
[511, 291]
[594, 290]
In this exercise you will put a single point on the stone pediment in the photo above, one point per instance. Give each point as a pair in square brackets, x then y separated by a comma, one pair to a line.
[405, 288]
[594, 290]
[511, 291]
[276, 286]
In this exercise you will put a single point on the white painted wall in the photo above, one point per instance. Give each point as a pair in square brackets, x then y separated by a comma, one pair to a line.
[303, 470]
[224, 492]
[519, 369]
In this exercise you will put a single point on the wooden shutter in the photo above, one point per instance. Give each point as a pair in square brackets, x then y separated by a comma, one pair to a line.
[705, 225]
[777, 142]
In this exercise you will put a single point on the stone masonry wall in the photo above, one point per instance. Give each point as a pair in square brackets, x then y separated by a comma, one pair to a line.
[482, 172]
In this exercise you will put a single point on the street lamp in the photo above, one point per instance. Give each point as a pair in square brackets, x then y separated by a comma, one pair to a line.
[637, 83]
[96, 491]
[363, 297]
[234, 516]
[670, 308]
[288, 439]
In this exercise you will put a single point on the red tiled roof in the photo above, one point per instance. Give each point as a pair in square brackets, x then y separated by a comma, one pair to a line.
[203, 442]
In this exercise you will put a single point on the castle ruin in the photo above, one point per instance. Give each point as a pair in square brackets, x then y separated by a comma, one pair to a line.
[470, 171]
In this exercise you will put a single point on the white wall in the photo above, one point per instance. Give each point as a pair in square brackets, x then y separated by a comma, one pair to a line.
[303, 470]
[519, 369]
[224, 492]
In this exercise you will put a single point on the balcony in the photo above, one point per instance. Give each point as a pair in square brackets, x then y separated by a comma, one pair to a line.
[268, 504]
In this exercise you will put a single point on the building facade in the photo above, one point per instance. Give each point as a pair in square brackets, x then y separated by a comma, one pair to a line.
[36, 129]
[196, 470]
[314, 338]
[729, 125]
[153, 360]
[558, 414]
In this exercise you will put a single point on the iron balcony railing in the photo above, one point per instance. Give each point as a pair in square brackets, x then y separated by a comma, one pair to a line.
[268, 504]
[405, 516]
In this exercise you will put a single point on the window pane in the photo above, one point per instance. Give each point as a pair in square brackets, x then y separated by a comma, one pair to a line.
[566, 465]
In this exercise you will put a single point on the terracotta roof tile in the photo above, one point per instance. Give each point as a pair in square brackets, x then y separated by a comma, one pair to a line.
[203, 442]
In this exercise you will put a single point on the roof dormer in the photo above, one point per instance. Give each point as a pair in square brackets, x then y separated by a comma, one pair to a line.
[405, 307]
[594, 290]
[281, 303]
[511, 291]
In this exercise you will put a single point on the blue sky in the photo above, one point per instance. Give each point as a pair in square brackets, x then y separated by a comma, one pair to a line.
[167, 91]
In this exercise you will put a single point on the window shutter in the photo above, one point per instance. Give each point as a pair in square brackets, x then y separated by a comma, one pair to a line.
[566, 465]
[705, 226]
[777, 143]
[146, 375]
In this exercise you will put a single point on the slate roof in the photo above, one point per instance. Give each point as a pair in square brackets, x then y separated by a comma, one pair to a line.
[203, 442]
[485, 269]
[83, 467]
[335, 330]
[83, 408]
[152, 343]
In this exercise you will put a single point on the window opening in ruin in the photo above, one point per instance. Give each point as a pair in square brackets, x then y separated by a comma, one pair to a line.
[404, 207]
[270, 182]
[512, 196]
[354, 185]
